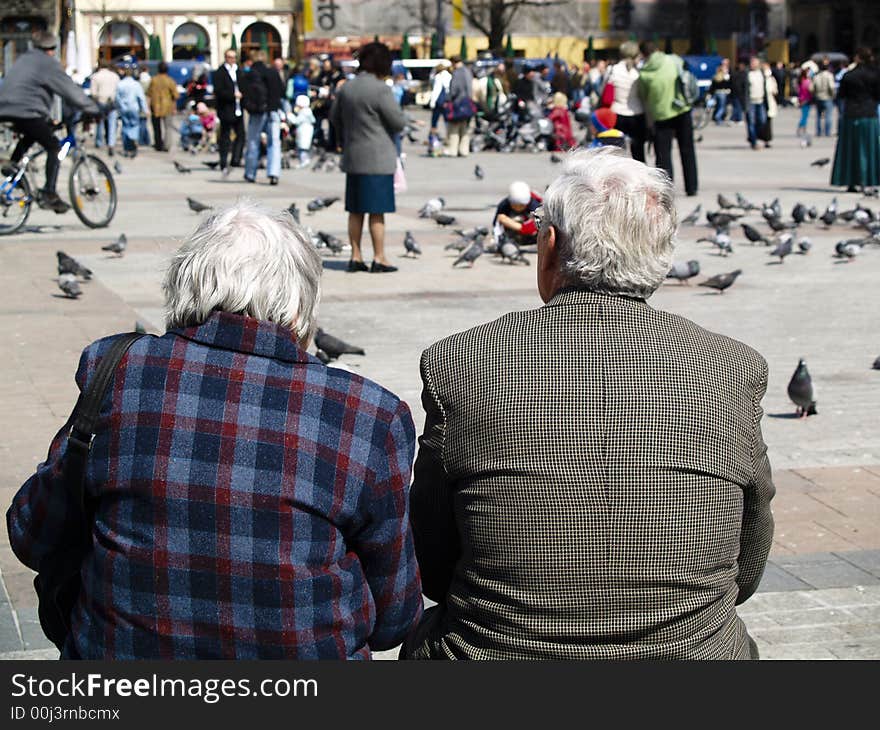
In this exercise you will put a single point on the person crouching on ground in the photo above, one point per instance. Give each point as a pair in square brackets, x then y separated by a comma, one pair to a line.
[513, 216]
[250, 502]
[304, 121]
[592, 482]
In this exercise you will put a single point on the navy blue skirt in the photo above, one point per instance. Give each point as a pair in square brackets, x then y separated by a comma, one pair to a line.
[369, 193]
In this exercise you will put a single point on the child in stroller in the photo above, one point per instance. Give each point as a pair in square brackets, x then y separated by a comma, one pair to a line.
[192, 131]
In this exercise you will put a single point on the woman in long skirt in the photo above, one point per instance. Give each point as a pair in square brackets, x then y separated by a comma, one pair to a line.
[857, 157]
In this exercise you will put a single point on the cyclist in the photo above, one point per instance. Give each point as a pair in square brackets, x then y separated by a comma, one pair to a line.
[26, 99]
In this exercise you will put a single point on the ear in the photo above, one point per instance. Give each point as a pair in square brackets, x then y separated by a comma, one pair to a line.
[548, 263]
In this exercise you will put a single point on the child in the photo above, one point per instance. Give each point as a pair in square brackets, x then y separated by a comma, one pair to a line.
[513, 216]
[602, 129]
[191, 130]
[208, 120]
[304, 121]
[561, 123]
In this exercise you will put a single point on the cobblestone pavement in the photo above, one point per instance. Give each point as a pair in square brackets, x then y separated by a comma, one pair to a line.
[820, 597]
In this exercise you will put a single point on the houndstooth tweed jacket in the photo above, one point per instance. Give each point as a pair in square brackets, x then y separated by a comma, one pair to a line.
[591, 483]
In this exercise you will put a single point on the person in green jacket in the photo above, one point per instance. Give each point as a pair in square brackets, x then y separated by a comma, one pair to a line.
[668, 112]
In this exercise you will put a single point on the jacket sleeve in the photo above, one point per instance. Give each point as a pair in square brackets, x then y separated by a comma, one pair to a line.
[430, 501]
[756, 535]
[384, 543]
[336, 118]
[60, 83]
[390, 112]
[41, 517]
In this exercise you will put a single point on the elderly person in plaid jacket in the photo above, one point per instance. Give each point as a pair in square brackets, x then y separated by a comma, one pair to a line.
[608, 497]
[251, 502]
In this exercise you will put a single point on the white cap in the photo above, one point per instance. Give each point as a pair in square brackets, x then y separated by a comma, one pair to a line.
[519, 192]
[302, 101]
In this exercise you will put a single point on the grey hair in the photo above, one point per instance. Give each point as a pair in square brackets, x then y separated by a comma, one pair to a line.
[245, 259]
[615, 219]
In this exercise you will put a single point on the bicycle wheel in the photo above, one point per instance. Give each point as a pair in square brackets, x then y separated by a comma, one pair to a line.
[15, 205]
[92, 191]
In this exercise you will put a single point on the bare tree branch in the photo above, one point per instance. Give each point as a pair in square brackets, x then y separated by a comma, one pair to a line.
[500, 14]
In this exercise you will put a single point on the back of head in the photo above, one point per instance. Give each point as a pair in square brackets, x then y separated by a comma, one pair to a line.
[258, 56]
[245, 259]
[615, 220]
[163, 67]
[647, 48]
[375, 58]
[44, 40]
[629, 50]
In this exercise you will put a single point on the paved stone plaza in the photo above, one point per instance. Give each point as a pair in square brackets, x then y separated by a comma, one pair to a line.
[820, 597]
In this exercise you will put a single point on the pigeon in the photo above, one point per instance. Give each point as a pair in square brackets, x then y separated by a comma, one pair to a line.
[117, 246]
[431, 208]
[69, 265]
[871, 192]
[692, 217]
[323, 356]
[139, 327]
[753, 234]
[69, 285]
[744, 204]
[554, 158]
[848, 249]
[784, 247]
[320, 203]
[196, 206]
[830, 214]
[478, 172]
[847, 216]
[330, 165]
[721, 281]
[334, 347]
[117, 168]
[182, 169]
[800, 390]
[777, 225]
[725, 203]
[472, 233]
[459, 244]
[332, 242]
[799, 213]
[776, 207]
[443, 220]
[804, 245]
[411, 246]
[684, 270]
[721, 220]
[812, 213]
[721, 240]
[471, 254]
[821, 162]
[212, 164]
[512, 253]
[294, 211]
[862, 216]
[318, 164]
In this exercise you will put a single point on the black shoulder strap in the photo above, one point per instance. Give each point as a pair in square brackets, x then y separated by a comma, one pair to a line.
[85, 415]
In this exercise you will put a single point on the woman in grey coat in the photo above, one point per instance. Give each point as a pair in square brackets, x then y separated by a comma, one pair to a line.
[366, 116]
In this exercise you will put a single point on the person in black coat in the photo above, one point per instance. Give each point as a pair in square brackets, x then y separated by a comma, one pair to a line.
[857, 156]
[739, 91]
[262, 90]
[228, 95]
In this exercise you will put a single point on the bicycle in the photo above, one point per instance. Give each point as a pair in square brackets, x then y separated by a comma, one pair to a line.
[91, 188]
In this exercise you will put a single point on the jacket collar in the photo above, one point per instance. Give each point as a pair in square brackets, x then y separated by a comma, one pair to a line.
[580, 296]
[247, 335]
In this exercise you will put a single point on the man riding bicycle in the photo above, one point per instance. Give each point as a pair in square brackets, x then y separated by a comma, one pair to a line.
[26, 100]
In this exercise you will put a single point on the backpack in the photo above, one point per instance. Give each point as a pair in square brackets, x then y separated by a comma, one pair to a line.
[686, 87]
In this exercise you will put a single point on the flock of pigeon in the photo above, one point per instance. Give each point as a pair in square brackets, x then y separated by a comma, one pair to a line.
[785, 236]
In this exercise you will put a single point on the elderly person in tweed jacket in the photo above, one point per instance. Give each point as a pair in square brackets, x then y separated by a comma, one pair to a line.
[250, 502]
[608, 496]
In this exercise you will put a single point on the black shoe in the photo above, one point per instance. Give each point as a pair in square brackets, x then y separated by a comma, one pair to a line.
[377, 268]
[273, 180]
[852, 189]
[52, 202]
[355, 266]
[8, 170]
[249, 179]
[110, 152]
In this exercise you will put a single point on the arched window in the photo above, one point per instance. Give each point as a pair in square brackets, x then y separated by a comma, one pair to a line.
[261, 35]
[120, 39]
[190, 40]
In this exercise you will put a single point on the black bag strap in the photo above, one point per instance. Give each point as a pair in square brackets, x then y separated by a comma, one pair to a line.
[85, 416]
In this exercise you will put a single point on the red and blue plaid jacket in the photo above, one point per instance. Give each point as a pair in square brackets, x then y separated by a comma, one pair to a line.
[252, 503]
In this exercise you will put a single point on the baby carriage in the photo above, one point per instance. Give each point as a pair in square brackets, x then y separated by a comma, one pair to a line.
[192, 132]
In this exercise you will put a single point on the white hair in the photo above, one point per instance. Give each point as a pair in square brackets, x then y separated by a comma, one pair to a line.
[615, 219]
[245, 259]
